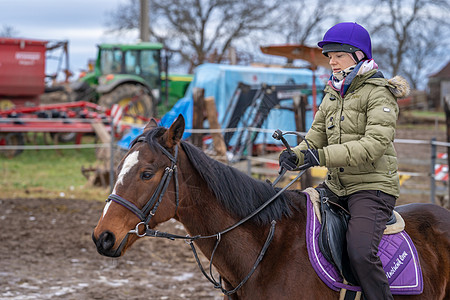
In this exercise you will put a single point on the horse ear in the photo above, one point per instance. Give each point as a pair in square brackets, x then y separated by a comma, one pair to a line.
[151, 125]
[175, 132]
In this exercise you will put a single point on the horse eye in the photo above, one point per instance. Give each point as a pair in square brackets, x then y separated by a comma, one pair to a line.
[146, 175]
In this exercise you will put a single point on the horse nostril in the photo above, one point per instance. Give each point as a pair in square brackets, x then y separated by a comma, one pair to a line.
[106, 240]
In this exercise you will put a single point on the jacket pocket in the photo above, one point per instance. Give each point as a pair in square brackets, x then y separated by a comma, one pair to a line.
[366, 167]
[386, 164]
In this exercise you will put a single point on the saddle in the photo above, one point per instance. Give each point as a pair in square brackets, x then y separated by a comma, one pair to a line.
[332, 236]
[397, 252]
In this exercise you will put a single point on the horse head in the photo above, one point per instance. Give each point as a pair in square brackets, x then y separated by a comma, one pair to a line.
[143, 195]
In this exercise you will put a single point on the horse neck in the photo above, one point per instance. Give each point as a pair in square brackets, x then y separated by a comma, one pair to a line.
[202, 214]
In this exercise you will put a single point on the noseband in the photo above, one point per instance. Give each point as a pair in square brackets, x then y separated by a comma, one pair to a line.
[148, 211]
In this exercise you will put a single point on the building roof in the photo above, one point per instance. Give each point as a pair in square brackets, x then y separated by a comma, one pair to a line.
[443, 73]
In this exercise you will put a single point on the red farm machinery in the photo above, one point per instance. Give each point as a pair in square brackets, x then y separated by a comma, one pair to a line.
[24, 87]
[129, 76]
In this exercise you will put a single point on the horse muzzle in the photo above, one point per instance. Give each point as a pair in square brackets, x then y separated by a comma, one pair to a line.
[105, 244]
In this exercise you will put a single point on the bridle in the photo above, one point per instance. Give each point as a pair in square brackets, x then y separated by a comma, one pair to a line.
[148, 211]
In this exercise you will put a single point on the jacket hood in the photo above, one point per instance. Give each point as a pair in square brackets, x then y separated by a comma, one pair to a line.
[399, 86]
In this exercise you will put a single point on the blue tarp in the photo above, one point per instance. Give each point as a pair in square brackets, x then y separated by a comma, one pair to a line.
[220, 82]
[130, 136]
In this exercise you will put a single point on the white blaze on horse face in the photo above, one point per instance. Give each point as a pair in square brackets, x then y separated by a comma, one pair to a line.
[129, 162]
[106, 207]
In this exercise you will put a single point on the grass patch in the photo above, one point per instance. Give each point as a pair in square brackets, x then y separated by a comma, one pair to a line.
[428, 113]
[49, 174]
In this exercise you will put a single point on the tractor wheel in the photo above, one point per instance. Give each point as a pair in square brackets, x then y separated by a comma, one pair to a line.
[137, 102]
[82, 91]
[11, 139]
[64, 137]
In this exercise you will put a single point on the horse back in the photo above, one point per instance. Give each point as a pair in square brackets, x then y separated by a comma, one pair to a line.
[428, 225]
[425, 218]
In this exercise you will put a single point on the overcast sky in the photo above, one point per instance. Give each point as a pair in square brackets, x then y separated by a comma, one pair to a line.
[81, 22]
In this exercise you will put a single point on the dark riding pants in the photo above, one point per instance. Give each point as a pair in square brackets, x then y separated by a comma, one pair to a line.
[369, 211]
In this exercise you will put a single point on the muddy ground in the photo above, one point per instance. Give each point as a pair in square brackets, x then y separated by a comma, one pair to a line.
[46, 251]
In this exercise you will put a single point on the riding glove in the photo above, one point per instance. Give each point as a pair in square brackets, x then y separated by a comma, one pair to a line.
[311, 158]
[288, 160]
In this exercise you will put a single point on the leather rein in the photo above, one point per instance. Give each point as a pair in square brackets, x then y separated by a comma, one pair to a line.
[148, 211]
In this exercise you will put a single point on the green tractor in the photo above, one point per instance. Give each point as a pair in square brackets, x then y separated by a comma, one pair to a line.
[130, 75]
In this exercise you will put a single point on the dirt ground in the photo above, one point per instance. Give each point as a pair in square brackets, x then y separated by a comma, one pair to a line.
[46, 251]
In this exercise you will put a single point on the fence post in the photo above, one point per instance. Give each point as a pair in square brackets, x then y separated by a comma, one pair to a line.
[432, 170]
[300, 103]
[111, 159]
[218, 141]
[198, 116]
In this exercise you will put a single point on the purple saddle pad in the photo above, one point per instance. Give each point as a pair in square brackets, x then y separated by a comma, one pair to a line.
[396, 251]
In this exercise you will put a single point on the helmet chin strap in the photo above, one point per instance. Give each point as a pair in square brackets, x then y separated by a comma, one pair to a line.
[358, 56]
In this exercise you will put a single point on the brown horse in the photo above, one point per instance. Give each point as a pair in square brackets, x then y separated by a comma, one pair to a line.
[208, 197]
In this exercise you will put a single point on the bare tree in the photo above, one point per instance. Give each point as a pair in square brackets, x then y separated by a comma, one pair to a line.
[305, 22]
[199, 30]
[302, 22]
[8, 31]
[409, 35]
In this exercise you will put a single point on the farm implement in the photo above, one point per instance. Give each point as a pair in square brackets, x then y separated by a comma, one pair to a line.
[63, 122]
[127, 77]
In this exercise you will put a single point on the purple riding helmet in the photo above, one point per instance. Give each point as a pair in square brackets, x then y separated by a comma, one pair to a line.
[347, 37]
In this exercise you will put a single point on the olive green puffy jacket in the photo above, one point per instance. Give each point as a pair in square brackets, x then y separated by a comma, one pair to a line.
[355, 135]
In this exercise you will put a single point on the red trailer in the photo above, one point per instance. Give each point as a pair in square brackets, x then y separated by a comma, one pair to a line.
[22, 71]
[22, 84]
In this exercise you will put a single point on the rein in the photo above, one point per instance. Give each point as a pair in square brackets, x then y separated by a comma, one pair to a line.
[146, 213]
[190, 239]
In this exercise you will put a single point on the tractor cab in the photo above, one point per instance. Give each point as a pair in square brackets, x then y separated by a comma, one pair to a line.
[125, 74]
[140, 63]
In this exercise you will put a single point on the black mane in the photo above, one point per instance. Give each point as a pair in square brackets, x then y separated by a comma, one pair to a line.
[238, 193]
